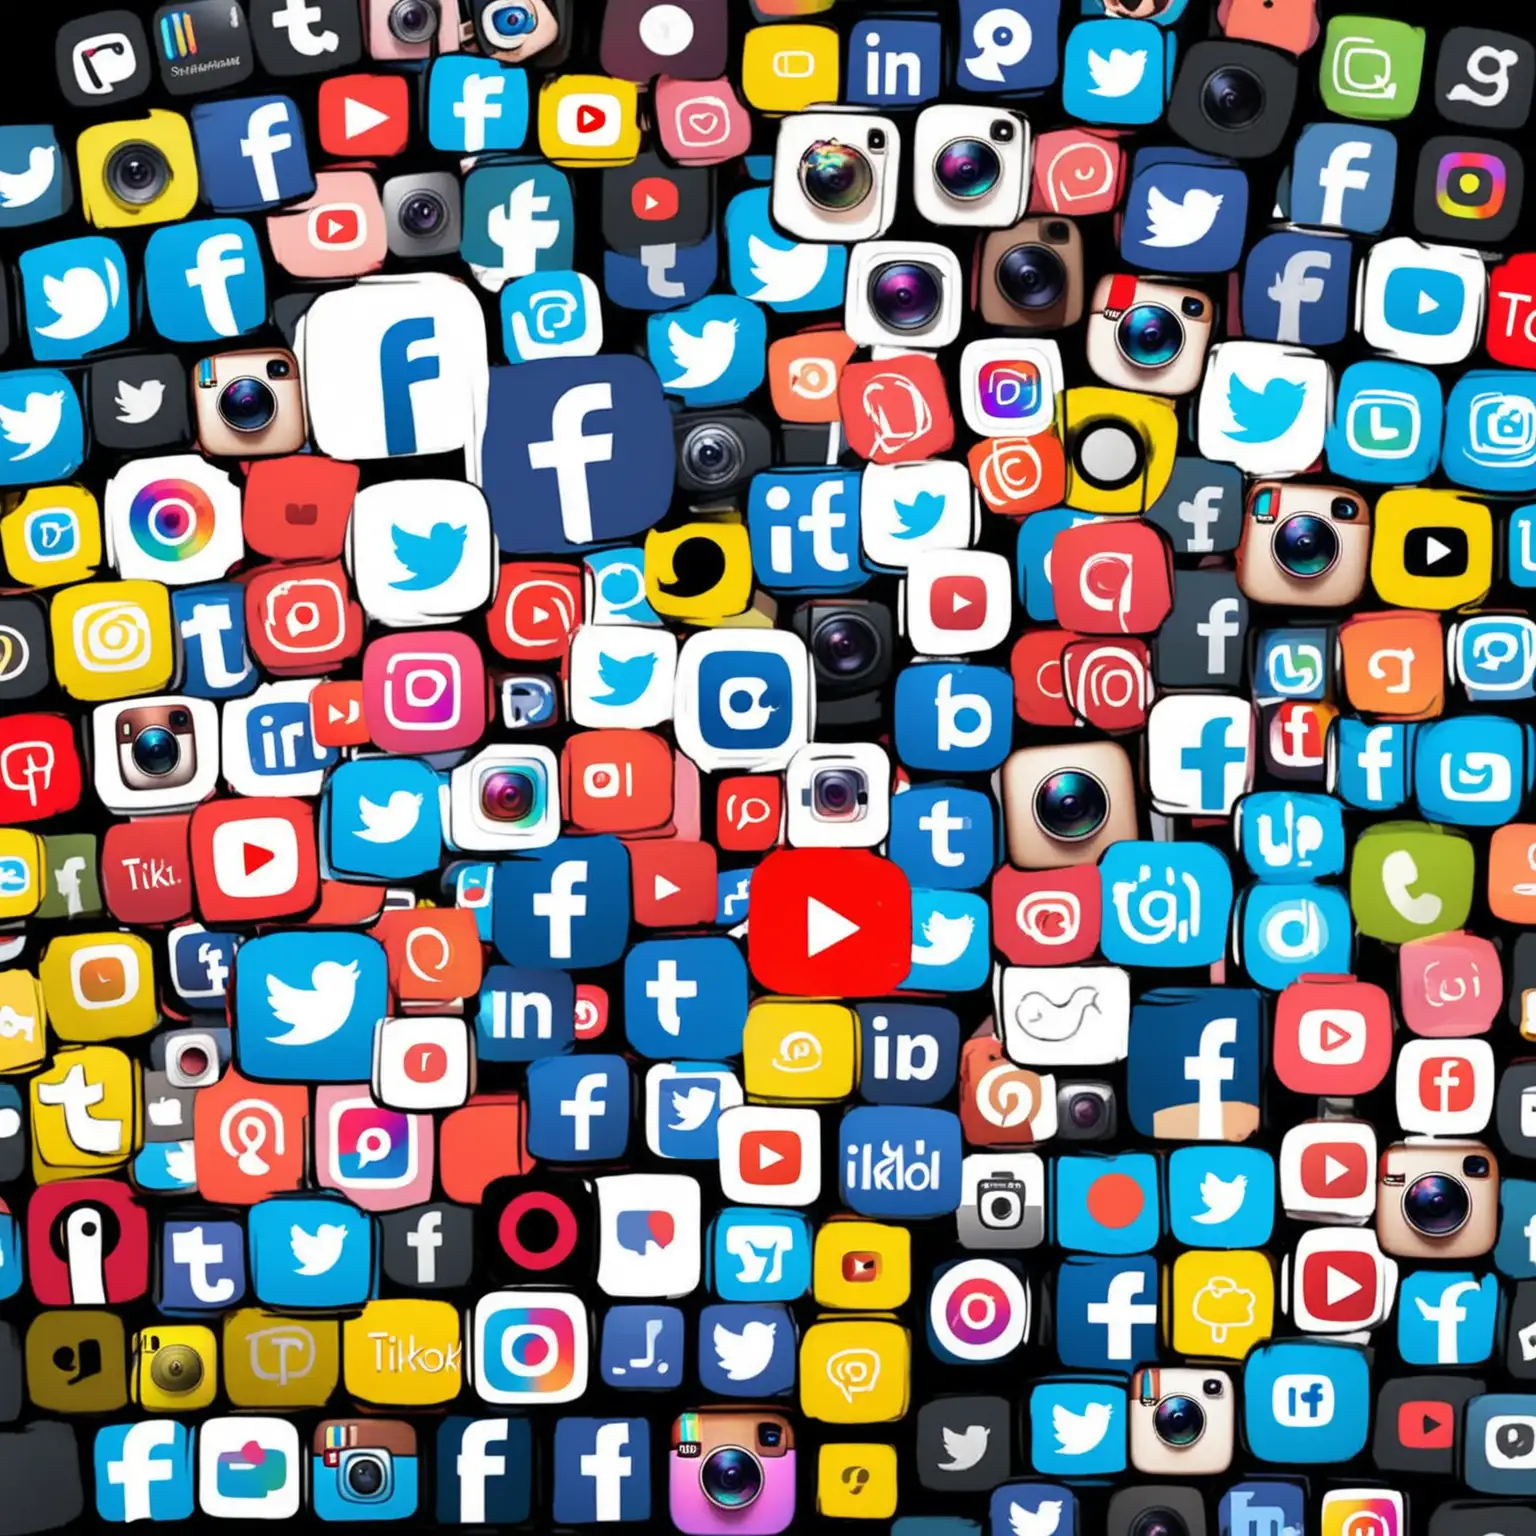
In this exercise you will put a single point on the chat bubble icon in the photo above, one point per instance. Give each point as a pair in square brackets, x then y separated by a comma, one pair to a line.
[853, 1371]
[373, 1146]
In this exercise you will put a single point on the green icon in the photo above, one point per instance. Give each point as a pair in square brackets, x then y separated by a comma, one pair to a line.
[1371, 67]
[71, 888]
[1409, 879]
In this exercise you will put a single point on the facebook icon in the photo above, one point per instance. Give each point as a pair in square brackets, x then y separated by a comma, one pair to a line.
[407, 355]
[483, 1471]
[1198, 734]
[602, 1470]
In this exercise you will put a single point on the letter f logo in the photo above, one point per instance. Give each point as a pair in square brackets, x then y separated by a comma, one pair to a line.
[407, 356]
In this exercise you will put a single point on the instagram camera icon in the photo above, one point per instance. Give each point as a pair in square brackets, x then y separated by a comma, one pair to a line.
[530, 1346]
[424, 692]
[732, 1470]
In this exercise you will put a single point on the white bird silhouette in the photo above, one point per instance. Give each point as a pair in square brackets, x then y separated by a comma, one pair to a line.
[1119, 74]
[18, 188]
[389, 822]
[1041, 1521]
[1042, 1017]
[1079, 1433]
[317, 1252]
[1173, 224]
[1223, 1198]
[746, 1354]
[35, 425]
[317, 1011]
[82, 299]
[138, 403]
[179, 1163]
[703, 358]
[964, 1447]
[785, 275]
[691, 1107]
[944, 938]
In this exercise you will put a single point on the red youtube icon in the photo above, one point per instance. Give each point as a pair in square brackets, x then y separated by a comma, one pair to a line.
[1335, 1170]
[590, 118]
[1341, 1286]
[654, 199]
[770, 1157]
[674, 882]
[254, 858]
[958, 602]
[365, 114]
[1426, 1425]
[830, 922]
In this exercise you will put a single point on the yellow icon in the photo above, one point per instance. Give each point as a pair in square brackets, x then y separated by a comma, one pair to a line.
[799, 1052]
[1120, 448]
[21, 863]
[862, 1265]
[85, 1113]
[175, 1369]
[272, 1361]
[789, 68]
[403, 1352]
[108, 167]
[856, 1482]
[701, 571]
[1431, 549]
[589, 120]
[52, 536]
[112, 639]
[99, 986]
[77, 1362]
[854, 1371]
[1222, 1303]
[23, 1022]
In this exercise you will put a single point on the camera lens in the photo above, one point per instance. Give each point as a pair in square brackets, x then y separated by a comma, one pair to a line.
[176, 1368]
[967, 169]
[905, 295]
[506, 25]
[366, 1476]
[423, 213]
[1086, 1111]
[137, 173]
[1305, 546]
[509, 794]
[835, 176]
[1158, 1522]
[1178, 1421]
[156, 751]
[1232, 98]
[414, 21]
[1031, 276]
[1437, 1205]
[839, 794]
[1149, 336]
[192, 1061]
[713, 454]
[731, 1477]
[1071, 805]
[846, 645]
[1109, 453]
[247, 405]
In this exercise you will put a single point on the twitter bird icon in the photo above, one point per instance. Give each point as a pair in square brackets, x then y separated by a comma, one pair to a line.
[623, 678]
[1264, 414]
[711, 353]
[76, 296]
[919, 516]
[430, 558]
[42, 430]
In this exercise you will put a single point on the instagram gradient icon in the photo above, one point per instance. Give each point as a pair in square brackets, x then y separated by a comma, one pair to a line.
[381, 1158]
[424, 692]
[530, 1346]
[1363, 1512]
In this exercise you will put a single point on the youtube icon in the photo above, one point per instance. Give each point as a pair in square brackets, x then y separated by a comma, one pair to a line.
[1340, 1282]
[770, 1156]
[1333, 1035]
[254, 858]
[365, 115]
[1328, 1170]
[830, 922]
[649, 202]
[653, 198]
[1417, 1422]
[959, 601]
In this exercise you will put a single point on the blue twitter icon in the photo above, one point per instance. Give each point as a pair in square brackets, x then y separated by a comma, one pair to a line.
[42, 430]
[712, 353]
[76, 296]
[917, 517]
[622, 679]
[1261, 415]
[429, 558]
